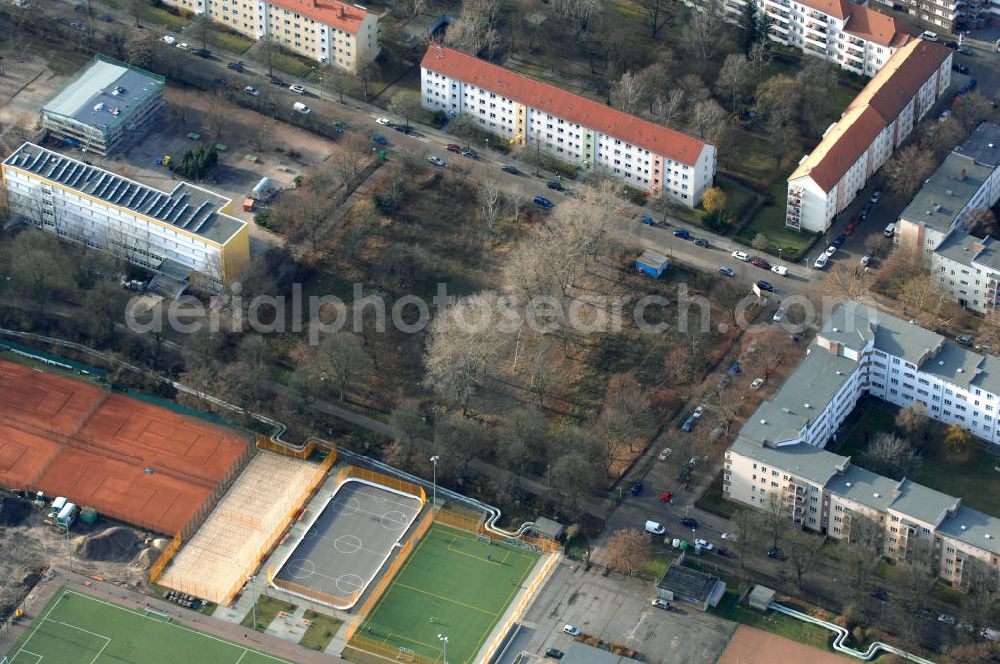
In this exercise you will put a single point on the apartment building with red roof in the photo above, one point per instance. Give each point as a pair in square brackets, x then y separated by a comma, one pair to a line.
[873, 126]
[859, 39]
[331, 32]
[533, 114]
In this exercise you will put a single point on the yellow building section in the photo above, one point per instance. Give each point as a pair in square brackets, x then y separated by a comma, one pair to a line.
[236, 255]
[521, 113]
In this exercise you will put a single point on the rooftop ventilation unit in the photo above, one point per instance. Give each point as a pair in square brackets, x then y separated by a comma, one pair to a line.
[876, 495]
[962, 527]
[848, 484]
[763, 421]
[836, 330]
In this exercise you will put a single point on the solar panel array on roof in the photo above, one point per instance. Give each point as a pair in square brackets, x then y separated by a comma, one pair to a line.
[193, 213]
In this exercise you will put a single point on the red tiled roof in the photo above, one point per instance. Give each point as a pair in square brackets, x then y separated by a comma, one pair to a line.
[334, 13]
[875, 107]
[566, 105]
[877, 27]
[835, 8]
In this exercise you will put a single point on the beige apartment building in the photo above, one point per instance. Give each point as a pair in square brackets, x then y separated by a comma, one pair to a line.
[331, 32]
[779, 453]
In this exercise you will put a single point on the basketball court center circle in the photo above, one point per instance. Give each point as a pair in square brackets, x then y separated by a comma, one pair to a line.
[394, 520]
[301, 568]
[347, 544]
[349, 583]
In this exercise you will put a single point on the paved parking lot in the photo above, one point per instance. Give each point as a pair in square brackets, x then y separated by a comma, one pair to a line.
[618, 609]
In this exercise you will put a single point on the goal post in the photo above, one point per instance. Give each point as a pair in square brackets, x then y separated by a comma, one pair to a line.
[405, 654]
[150, 611]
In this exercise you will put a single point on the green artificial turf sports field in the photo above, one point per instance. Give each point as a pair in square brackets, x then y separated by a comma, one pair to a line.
[74, 628]
[452, 584]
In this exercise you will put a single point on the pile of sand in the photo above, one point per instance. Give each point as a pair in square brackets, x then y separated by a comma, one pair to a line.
[117, 544]
[13, 510]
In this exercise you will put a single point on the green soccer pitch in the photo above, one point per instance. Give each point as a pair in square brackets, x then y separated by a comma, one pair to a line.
[74, 628]
[452, 584]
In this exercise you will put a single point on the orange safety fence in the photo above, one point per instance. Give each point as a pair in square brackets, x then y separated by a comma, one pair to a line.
[305, 591]
[384, 480]
[374, 592]
[474, 522]
[168, 554]
[268, 443]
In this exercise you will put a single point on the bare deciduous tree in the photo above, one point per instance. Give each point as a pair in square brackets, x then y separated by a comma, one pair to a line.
[628, 549]
[803, 551]
[491, 202]
[626, 92]
[708, 118]
[734, 77]
[891, 455]
[657, 13]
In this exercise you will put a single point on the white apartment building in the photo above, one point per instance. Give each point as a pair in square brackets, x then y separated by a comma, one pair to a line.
[532, 114]
[873, 126]
[950, 15]
[340, 34]
[859, 39]
[107, 106]
[779, 450]
[936, 224]
[184, 235]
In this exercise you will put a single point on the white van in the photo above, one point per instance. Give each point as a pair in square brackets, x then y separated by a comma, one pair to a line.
[889, 230]
[655, 528]
[301, 108]
[821, 261]
[929, 36]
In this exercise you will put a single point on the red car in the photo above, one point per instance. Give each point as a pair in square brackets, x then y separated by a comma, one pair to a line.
[666, 496]
[761, 263]
[451, 147]
[849, 230]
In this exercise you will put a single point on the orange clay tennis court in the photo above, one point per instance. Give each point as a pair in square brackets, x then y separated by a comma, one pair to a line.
[76, 440]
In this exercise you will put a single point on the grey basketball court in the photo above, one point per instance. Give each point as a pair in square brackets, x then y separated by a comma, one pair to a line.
[349, 541]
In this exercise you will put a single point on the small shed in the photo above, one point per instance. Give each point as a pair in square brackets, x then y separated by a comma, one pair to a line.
[652, 264]
[761, 597]
[262, 190]
[248, 204]
[547, 527]
[683, 584]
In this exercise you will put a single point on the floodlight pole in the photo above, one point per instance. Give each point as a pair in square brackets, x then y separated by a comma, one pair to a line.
[444, 639]
[253, 596]
[69, 548]
[434, 483]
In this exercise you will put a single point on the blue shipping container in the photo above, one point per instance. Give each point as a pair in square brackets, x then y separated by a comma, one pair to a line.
[652, 264]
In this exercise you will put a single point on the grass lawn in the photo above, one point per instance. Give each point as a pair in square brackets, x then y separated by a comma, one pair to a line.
[230, 41]
[268, 609]
[321, 630]
[972, 479]
[290, 64]
[79, 629]
[770, 220]
[463, 584]
[713, 501]
[775, 623]
[151, 14]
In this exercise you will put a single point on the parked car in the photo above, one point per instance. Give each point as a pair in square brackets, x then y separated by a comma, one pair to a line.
[698, 412]
[654, 528]
[866, 260]
[167, 39]
[757, 261]
[661, 603]
[510, 169]
[543, 202]
[378, 138]
[821, 261]
[666, 497]
[765, 286]
[297, 89]
[665, 454]
[780, 270]
[705, 544]
[470, 153]
[554, 653]
[953, 45]
[251, 90]
[778, 315]
[702, 242]
[636, 489]
[838, 241]
[756, 383]
[880, 595]
[202, 52]
[741, 256]
[728, 536]
[184, 46]
[728, 271]
[960, 68]
[452, 147]
[965, 340]
[724, 552]
[688, 424]
[682, 234]
[688, 522]
[403, 129]
[385, 122]
[277, 81]
[775, 553]
[849, 229]
[437, 161]
[831, 250]
[571, 630]
[301, 108]
[235, 66]
[552, 184]
[106, 17]
[946, 619]
[647, 220]
[965, 50]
